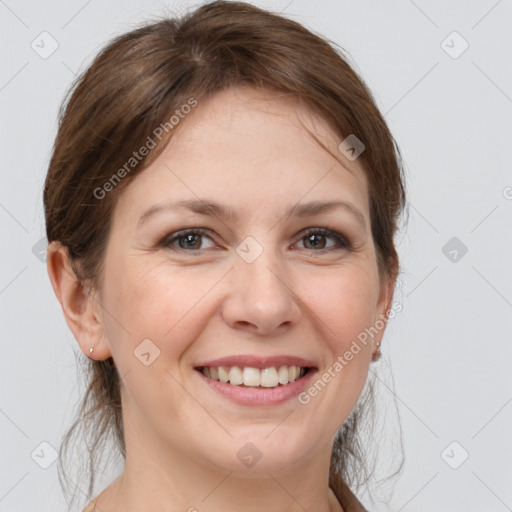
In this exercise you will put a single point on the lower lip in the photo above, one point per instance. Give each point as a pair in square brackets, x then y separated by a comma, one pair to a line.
[259, 396]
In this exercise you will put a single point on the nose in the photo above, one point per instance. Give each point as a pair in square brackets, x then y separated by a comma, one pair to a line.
[260, 298]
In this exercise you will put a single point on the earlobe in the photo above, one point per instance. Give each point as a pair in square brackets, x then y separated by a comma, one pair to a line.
[79, 305]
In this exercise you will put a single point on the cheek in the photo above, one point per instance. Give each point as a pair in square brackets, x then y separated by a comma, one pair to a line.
[165, 305]
[345, 303]
[171, 306]
[344, 312]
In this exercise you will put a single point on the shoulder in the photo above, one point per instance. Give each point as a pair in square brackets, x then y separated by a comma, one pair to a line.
[91, 507]
[348, 499]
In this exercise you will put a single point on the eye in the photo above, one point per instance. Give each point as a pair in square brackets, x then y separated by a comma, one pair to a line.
[316, 238]
[187, 239]
[313, 239]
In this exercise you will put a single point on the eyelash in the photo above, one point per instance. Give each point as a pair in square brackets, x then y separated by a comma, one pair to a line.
[343, 243]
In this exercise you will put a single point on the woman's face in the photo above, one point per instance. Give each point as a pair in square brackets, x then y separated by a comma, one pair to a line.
[253, 289]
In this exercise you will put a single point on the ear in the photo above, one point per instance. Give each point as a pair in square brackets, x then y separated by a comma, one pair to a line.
[81, 308]
[384, 305]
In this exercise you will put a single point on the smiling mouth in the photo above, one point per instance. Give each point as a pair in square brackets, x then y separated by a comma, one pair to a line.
[271, 377]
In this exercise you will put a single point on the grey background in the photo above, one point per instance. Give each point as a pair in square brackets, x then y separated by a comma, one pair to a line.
[450, 347]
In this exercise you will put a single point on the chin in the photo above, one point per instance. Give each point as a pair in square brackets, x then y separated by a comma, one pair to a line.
[257, 454]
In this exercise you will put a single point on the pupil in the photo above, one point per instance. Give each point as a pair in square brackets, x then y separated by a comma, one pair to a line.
[311, 239]
[190, 238]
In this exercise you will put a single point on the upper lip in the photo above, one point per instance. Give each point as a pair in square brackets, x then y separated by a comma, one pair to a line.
[258, 362]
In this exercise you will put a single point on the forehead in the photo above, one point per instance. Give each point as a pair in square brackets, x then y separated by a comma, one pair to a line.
[246, 121]
[252, 150]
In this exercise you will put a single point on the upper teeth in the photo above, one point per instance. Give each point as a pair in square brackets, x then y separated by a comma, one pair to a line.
[267, 377]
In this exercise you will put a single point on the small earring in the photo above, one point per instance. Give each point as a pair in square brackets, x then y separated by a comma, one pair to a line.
[377, 354]
[91, 350]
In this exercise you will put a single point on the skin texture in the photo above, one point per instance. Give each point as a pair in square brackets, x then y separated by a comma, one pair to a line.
[249, 150]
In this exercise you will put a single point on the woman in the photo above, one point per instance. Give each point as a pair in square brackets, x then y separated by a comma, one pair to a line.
[220, 204]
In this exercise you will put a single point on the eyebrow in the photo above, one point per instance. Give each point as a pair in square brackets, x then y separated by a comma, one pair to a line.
[211, 208]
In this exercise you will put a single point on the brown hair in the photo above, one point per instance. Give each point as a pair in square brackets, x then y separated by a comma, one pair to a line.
[132, 87]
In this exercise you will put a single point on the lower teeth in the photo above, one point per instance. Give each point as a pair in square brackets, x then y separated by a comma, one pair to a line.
[257, 387]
